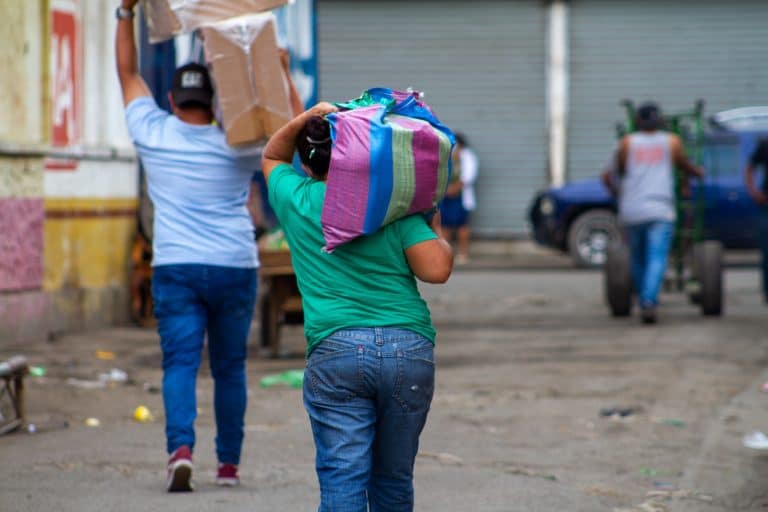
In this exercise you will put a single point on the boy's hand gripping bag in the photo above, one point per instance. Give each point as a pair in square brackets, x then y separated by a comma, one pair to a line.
[391, 157]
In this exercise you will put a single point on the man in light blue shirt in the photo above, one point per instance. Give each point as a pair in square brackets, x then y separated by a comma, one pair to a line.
[205, 258]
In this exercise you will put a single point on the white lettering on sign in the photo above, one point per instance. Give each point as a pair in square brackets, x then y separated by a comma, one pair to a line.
[63, 88]
[191, 79]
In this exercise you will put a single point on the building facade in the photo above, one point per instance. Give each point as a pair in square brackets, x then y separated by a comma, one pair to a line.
[536, 84]
[70, 185]
[67, 176]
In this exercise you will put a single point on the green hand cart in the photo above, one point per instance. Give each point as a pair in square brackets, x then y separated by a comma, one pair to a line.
[695, 263]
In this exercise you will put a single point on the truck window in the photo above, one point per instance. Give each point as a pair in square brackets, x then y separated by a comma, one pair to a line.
[721, 157]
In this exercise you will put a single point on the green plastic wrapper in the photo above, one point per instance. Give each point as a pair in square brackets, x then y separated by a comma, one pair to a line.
[291, 378]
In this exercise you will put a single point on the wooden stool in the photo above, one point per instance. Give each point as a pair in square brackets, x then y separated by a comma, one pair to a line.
[12, 373]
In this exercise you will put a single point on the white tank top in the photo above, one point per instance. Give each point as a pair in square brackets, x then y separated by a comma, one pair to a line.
[647, 187]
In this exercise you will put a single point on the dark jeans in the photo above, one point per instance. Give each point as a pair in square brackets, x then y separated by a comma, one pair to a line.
[367, 393]
[190, 301]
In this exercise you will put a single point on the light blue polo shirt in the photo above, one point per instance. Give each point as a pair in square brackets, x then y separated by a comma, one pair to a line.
[199, 188]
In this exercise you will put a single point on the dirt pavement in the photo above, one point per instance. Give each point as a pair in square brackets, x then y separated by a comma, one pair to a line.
[526, 361]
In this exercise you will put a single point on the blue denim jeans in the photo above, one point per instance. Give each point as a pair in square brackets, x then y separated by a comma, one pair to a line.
[649, 245]
[763, 237]
[190, 301]
[367, 393]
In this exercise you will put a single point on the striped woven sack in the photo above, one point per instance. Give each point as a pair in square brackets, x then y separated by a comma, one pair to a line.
[390, 157]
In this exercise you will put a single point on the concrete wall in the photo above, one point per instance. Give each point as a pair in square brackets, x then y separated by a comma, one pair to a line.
[67, 224]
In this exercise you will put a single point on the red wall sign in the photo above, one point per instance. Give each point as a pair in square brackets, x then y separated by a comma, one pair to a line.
[65, 81]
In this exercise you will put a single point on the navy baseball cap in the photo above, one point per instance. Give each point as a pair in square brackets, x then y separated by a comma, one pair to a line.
[192, 84]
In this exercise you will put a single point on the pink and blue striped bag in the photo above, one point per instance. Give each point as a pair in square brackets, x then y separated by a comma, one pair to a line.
[391, 157]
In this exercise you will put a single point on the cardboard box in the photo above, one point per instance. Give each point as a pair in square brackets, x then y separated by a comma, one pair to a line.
[166, 18]
[250, 84]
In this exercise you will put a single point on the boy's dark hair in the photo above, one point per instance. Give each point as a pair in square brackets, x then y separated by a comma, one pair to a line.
[194, 105]
[461, 139]
[314, 146]
[649, 117]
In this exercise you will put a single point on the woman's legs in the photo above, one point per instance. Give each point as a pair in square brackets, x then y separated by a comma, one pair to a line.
[464, 235]
[343, 419]
[404, 397]
[367, 393]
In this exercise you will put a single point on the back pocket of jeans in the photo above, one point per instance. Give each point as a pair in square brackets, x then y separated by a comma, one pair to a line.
[334, 374]
[416, 379]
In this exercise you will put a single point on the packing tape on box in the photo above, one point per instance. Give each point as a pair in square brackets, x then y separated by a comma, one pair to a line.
[167, 18]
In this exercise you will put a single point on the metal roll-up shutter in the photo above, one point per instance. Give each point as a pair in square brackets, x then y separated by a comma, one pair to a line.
[669, 52]
[481, 65]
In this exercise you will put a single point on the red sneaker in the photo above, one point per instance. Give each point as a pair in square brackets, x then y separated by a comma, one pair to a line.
[227, 475]
[180, 470]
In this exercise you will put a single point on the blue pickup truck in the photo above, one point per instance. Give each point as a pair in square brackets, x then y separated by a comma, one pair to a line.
[580, 217]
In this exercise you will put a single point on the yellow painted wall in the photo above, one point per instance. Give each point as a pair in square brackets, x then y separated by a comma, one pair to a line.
[83, 250]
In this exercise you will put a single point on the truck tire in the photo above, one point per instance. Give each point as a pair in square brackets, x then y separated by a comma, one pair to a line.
[618, 280]
[590, 235]
[708, 268]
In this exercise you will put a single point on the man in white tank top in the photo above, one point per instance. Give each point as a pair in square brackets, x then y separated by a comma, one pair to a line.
[645, 187]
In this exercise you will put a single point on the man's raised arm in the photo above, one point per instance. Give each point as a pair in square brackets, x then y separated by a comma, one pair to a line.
[132, 84]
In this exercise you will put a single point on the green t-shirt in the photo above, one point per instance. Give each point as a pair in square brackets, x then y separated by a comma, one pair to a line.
[364, 283]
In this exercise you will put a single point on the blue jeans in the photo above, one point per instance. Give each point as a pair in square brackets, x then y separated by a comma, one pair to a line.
[191, 300]
[763, 236]
[367, 393]
[649, 245]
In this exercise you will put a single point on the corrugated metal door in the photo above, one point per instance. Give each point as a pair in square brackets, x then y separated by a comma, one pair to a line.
[481, 65]
[669, 52]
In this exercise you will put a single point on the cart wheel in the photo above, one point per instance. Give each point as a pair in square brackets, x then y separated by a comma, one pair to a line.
[618, 280]
[708, 265]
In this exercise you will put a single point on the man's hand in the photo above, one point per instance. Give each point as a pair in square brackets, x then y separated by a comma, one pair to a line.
[128, 4]
[700, 171]
[321, 109]
[297, 106]
[759, 197]
[285, 59]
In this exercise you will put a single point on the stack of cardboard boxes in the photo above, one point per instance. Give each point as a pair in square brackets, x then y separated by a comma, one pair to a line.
[241, 50]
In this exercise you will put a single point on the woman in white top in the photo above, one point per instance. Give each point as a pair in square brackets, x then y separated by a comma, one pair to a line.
[460, 197]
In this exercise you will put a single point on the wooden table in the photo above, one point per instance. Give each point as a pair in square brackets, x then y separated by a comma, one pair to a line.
[280, 300]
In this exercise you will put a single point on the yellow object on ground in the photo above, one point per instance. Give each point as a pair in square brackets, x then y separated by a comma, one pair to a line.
[142, 414]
